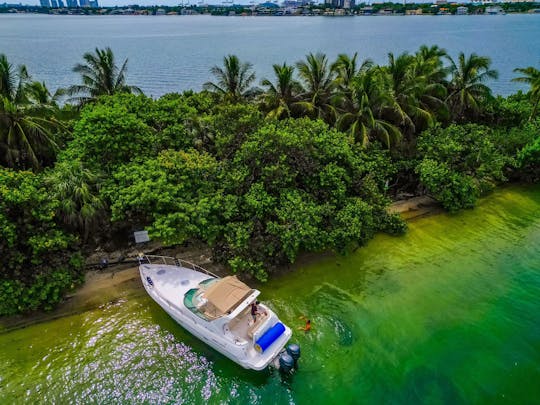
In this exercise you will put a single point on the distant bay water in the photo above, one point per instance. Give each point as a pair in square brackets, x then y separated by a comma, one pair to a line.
[174, 53]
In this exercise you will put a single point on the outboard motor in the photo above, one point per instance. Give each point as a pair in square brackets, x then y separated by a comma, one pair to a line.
[286, 362]
[294, 351]
[288, 359]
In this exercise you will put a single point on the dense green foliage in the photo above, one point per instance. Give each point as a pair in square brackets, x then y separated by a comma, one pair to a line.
[174, 193]
[298, 186]
[531, 76]
[306, 163]
[107, 136]
[39, 260]
[459, 163]
[287, 187]
[528, 157]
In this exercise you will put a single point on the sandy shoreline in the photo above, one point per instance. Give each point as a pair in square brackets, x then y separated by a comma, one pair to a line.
[122, 281]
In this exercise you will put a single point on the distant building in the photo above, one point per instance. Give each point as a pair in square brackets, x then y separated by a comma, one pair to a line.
[340, 3]
[294, 3]
[462, 10]
[61, 4]
[54, 4]
[492, 10]
[84, 3]
[72, 3]
[368, 10]
[44, 3]
[93, 3]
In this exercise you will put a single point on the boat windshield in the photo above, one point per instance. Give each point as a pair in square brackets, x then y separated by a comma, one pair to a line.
[193, 301]
[208, 282]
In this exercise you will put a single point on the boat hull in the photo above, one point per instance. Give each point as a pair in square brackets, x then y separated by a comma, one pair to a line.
[211, 333]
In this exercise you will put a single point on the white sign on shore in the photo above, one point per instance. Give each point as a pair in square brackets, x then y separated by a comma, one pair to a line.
[141, 236]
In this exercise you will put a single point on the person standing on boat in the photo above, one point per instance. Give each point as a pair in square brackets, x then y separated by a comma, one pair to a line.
[254, 310]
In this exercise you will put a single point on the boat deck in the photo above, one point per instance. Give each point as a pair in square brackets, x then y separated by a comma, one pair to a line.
[243, 326]
[172, 282]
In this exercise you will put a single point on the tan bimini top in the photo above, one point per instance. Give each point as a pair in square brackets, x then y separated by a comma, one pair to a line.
[224, 295]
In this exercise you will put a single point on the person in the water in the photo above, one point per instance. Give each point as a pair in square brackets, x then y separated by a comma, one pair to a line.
[307, 327]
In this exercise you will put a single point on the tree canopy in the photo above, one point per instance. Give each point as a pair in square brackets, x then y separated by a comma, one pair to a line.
[307, 163]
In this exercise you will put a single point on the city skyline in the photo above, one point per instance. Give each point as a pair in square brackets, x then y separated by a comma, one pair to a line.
[124, 3]
[69, 3]
[120, 3]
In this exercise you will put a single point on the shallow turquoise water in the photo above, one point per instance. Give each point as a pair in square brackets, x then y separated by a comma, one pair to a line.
[449, 313]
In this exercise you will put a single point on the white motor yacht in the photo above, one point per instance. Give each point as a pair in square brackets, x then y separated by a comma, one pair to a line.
[218, 311]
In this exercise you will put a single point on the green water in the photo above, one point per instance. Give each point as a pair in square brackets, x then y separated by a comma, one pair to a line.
[449, 313]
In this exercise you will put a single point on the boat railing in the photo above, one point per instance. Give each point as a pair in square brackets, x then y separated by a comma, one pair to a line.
[174, 261]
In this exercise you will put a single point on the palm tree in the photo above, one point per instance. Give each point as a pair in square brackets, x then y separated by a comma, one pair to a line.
[430, 66]
[76, 187]
[404, 87]
[531, 76]
[38, 92]
[282, 96]
[346, 69]
[100, 76]
[318, 82]
[430, 63]
[12, 80]
[467, 89]
[26, 119]
[233, 79]
[415, 83]
[366, 119]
